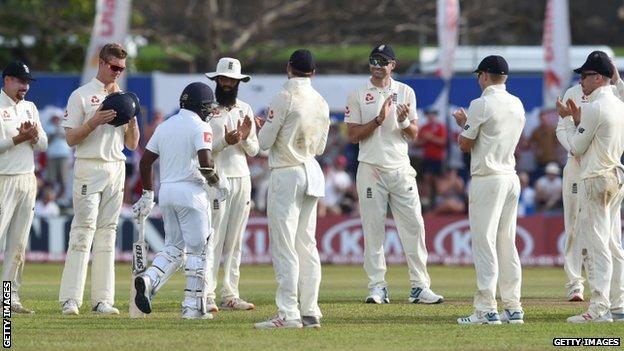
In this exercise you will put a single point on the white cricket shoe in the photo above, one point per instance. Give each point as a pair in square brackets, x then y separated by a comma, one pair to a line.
[70, 307]
[481, 318]
[142, 299]
[211, 305]
[588, 318]
[192, 313]
[426, 296]
[513, 317]
[236, 303]
[104, 308]
[575, 295]
[277, 322]
[17, 307]
[378, 296]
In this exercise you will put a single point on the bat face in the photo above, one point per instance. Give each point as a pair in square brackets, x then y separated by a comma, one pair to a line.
[138, 257]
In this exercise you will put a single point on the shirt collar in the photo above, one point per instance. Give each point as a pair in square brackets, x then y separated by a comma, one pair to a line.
[188, 113]
[225, 108]
[369, 85]
[297, 82]
[5, 99]
[494, 89]
[599, 92]
[99, 85]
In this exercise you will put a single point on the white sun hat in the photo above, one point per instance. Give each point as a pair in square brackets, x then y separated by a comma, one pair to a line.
[228, 67]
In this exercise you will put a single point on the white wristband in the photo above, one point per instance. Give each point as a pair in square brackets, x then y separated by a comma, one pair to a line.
[406, 123]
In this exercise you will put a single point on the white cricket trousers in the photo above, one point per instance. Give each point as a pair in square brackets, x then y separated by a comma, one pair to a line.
[17, 202]
[97, 193]
[292, 229]
[377, 189]
[492, 212]
[229, 220]
[598, 230]
[572, 259]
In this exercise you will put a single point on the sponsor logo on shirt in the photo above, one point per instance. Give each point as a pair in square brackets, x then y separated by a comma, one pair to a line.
[207, 137]
[271, 114]
[581, 130]
[584, 98]
[347, 111]
[466, 127]
[65, 116]
[6, 116]
[29, 114]
[95, 100]
[369, 98]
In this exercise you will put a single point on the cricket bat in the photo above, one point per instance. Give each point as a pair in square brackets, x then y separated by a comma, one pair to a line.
[139, 265]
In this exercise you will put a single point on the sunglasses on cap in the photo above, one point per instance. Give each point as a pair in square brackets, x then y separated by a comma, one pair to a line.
[115, 68]
[378, 62]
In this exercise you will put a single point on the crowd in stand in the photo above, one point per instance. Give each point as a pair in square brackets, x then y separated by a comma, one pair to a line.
[442, 169]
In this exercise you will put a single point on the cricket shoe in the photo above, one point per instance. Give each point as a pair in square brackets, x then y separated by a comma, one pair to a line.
[617, 317]
[588, 318]
[426, 296]
[311, 322]
[481, 318]
[16, 305]
[277, 322]
[236, 303]
[192, 313]
[378, 296]
[142, 299]
[575, 295]
[211, 305]
[513, 317]
[70, 307]
[104, 308]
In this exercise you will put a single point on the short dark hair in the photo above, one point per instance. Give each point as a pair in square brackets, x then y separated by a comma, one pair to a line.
[298, 73]
[112, 50]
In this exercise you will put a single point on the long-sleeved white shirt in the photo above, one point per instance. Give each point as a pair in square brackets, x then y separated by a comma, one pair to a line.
[599, 138]
[565, 126]
[297, 125]
[18, 159]
[231, 160]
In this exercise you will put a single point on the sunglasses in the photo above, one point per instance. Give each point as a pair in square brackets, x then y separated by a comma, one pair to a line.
[115, 68]
[378, 62]
[587, 74]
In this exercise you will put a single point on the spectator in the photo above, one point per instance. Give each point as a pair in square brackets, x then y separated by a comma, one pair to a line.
[544, 143]
[526, 206]
[57, 154]
[337, 184]
[450, 192]
[548, 188]
[47, 207]
[433, 139]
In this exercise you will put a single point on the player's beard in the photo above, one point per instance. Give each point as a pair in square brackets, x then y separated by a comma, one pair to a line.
[226, 97]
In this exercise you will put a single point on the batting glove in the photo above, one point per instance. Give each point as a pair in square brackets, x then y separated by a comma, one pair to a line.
[144, 206]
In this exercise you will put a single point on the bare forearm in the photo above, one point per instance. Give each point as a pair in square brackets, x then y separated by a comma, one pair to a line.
[359, 132]
[75, 136]
[132, 135]
[411, 131]
[145, 168]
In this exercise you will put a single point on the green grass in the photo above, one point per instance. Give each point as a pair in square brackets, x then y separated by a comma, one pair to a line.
[347, 324]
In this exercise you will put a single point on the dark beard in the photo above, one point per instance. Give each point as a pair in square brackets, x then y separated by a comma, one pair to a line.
[226, 98]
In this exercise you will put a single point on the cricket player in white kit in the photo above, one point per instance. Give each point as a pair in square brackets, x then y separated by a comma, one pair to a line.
[381, 117]
[235, 138]
[491, 131]
[99, 173]
[183, 143]
[20, 135]
[599, 141]
[572, 259]
[295, 131]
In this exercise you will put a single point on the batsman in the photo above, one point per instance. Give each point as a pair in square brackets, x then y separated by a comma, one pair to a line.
[183, 143]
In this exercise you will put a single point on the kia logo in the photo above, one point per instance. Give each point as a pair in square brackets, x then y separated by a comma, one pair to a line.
[456, 236]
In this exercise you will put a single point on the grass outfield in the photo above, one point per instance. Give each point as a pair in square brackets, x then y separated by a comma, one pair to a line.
[347, 322]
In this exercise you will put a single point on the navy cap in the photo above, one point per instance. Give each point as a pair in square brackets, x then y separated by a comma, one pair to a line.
[597, 61]
[383, 50]
[493, 64]
[196, 94]
[302, 60]
[17, 69]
